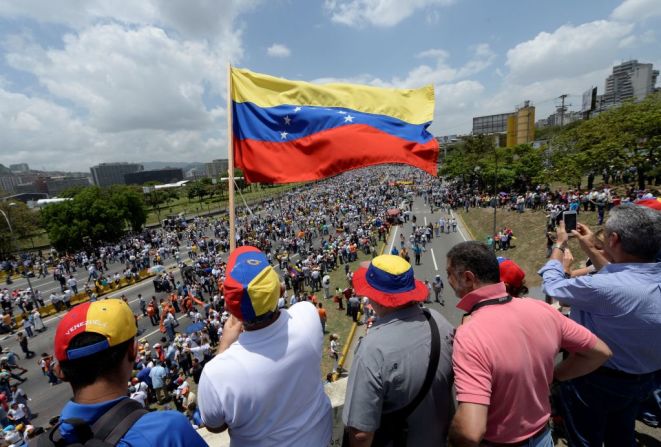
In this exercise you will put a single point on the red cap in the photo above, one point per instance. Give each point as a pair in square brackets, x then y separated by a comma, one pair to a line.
[511, 274]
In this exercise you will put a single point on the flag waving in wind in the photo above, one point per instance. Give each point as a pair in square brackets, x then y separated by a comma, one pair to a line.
[291, 131]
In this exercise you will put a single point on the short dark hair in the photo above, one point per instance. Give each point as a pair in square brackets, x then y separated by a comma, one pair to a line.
[477, 258]
[87, 370]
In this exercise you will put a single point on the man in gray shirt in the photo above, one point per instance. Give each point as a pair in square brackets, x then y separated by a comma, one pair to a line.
[391, 361]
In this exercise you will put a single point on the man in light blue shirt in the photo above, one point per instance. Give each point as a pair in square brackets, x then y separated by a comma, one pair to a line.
[621, 304]
[158, 374]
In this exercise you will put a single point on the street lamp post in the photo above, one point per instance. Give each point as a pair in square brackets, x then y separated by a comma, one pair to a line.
[27, 275]
[150, 191]
[495, 191]
[214, 182]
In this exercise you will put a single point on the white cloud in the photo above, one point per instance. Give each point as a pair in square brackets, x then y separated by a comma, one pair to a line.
[648, 36]
[129, 79]
[637, 10]
[51, 137]
[433, 53]
[278, 50]
[457, 98]
[41, 132]
[567, 51]
[381, 13]
[207, 19]
[441, 71]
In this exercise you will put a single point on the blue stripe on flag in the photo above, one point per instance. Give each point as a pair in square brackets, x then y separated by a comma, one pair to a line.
[288, 122]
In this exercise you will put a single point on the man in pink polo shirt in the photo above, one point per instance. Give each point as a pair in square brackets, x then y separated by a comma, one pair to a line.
[504, 355]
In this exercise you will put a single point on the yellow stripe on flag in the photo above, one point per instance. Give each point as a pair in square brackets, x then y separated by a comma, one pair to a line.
[414, 106]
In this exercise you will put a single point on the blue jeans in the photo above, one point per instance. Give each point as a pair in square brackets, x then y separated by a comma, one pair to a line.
[602, 409]
[546, 440]
[543, 440]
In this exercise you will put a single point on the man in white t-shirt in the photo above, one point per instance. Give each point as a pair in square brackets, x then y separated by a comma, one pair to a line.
[325, 284]
[265, 383]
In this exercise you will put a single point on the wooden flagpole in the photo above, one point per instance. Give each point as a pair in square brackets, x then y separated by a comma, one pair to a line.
[230, 160]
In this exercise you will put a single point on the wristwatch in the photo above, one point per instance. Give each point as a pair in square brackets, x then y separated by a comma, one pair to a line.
[560, 247]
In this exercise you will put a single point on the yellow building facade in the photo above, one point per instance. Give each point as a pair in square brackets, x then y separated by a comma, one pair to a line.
[521, 125]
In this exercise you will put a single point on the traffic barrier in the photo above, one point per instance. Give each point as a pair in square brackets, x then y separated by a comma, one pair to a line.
[18, 273]
[81, 297]
[345, 350]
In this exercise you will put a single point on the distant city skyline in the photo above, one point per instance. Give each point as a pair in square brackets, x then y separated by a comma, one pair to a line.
[106, 81]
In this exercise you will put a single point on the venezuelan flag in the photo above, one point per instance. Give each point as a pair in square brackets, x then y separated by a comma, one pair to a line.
[292, 131]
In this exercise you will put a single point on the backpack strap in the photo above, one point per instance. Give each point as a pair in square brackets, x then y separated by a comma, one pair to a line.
[434, 356]
[108, 430]
[114, 424]
[50, 438]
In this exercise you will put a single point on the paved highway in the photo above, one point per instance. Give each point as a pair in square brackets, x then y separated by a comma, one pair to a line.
[47, 400]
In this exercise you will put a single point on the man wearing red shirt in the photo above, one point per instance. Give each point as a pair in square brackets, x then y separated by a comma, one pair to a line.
[504, 353]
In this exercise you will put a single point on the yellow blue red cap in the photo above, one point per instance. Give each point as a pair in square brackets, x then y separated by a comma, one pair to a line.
[110, 318]
[252, 287]
[389, 281]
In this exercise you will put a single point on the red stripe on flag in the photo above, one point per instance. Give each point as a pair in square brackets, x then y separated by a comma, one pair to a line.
[329, 153]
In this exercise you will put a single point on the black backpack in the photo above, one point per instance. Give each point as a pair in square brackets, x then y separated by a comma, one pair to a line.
[107, 431]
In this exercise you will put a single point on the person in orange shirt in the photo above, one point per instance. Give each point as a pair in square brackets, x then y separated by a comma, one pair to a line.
[322, 316]
[151, 313]
[174, 300]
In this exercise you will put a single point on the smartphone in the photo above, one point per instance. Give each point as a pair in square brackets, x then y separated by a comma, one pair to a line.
[570, 220]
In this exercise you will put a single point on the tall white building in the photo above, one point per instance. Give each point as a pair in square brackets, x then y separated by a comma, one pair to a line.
[630, 80]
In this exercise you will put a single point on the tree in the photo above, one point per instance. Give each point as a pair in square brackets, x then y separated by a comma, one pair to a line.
[94, 214]
[197, 189]
[618, 139]
[24, 224]
[130, 203]
[155, 197]
[468, 159]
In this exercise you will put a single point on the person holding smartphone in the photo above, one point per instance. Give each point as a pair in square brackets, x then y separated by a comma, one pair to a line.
[622, 305]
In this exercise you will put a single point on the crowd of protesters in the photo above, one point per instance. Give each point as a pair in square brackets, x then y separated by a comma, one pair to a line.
[307, 234]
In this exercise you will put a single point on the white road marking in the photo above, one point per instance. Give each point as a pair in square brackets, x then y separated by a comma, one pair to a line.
[433, 258]
[425, 220]
[394, 237]
[459, 228]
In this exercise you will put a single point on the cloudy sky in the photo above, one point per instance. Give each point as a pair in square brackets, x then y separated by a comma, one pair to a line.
[88, 81]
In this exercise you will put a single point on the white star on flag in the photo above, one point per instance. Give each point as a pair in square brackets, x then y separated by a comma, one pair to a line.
[283, 135]
[287, 120]
[348, 119]
[342, 112]
[297, 109]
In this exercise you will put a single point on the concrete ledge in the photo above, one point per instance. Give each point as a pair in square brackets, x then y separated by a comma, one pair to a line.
[335, 391]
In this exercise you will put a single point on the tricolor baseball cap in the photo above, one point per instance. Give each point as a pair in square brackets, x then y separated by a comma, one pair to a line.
[252, 287]
[389, 281]
[110, 318]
